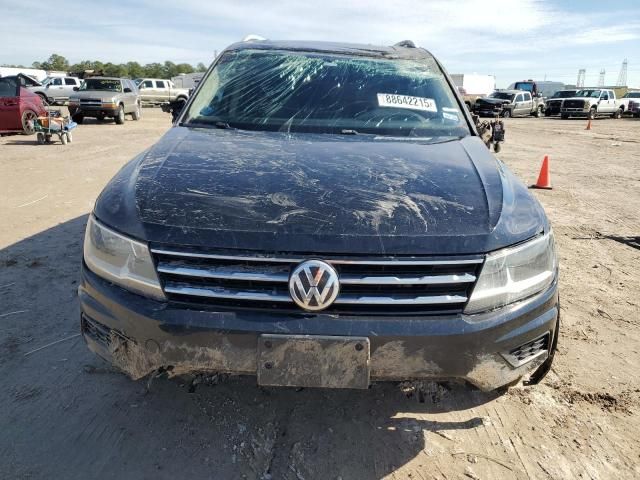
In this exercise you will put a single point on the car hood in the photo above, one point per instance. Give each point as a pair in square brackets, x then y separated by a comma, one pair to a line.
[493, 101]
[101, 94]
[319, 193]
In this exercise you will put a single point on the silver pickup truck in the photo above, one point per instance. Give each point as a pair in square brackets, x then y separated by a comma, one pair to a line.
[157, 90]
[101, 97]
[592, 103]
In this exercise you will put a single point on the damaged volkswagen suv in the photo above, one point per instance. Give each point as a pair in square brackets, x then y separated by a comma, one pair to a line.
[322, 215]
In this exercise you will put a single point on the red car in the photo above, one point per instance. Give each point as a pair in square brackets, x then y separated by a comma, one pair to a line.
[18, 106]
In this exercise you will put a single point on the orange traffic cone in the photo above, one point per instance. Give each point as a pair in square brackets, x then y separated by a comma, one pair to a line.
[544, 179]
[588, 125]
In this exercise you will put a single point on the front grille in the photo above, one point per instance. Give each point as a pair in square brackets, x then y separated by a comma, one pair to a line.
[525, 353]
[554, 104]
[90, 101]
[573, 104]
[367, 285]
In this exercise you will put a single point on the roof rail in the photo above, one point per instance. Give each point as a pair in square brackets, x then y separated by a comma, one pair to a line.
[253, 38]
[405, 43]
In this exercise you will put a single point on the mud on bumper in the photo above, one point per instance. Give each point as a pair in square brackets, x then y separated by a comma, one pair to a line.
[140, 336]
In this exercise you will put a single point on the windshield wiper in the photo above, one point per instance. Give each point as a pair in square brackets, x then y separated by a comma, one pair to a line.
[348, 131]
[222, 125]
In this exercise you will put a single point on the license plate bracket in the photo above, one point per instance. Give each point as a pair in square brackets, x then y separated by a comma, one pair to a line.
[313, 361]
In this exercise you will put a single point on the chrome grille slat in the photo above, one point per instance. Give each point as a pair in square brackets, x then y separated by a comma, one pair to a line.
[343, 299]
[384, 300]
[227, 294]
[231, 274]
[372, 286]
[423, 280]
[336, 261]
[222, 273]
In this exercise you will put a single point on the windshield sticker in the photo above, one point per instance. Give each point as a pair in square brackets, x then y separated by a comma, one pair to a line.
[406, 101]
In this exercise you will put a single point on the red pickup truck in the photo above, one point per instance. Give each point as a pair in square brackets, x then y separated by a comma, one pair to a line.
[18, 106]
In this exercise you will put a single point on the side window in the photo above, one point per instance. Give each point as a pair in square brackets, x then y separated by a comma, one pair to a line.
[70, 81]
[519, 98]
[527, 97]
[56, 81]
[159, 84]
[604, 96]
[147, 84]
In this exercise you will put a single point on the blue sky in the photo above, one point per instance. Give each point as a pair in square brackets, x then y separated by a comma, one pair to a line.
[512, 39]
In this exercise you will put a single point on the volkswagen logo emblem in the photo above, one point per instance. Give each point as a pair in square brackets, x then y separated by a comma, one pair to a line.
[314, 285]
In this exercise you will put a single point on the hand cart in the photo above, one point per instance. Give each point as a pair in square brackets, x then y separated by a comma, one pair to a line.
[54, 124]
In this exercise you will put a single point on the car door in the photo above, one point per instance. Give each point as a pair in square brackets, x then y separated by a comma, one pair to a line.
[162, 91]
[527, 104]
[129, 96]
[69, 84]
[604, 104]
[146, 91]
[10, 118]
[517, 104]
[55, 88]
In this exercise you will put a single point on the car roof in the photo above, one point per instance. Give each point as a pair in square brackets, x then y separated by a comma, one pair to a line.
[514, 91]
[355, 49]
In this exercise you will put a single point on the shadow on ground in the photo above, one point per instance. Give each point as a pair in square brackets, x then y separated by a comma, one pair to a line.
[69, 415]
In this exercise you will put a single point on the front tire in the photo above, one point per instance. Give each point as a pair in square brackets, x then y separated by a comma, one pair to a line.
[538, 113]
[564, 116]
[119, 118]
[78, 119]
[592, 113]
[617, 114]
[506, 114]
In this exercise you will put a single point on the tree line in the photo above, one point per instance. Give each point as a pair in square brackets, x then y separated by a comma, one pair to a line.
[130, 69]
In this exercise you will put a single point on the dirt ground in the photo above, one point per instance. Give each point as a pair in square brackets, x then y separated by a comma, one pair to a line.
[66, 414]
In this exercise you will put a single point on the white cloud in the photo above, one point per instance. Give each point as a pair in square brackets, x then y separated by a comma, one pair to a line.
[468, 35]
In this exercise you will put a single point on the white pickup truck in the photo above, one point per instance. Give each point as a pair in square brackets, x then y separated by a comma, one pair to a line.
[158, 90]
[627, 100]
[591, 103]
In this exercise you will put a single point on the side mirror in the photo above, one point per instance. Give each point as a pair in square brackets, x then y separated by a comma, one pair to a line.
[127, 90]
[75, 89]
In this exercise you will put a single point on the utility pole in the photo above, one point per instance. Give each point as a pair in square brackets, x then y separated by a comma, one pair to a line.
[601, 79]
[581, 74]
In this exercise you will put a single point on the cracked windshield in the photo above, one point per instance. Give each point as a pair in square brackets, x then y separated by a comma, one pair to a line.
[295, 92]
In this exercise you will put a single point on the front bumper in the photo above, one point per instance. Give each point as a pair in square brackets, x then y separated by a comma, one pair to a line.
[575, 112]
[94, 110]
[140, 335]
[487, 111]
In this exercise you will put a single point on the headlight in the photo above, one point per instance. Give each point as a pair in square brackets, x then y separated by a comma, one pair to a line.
[513, 274]
[120, 260]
